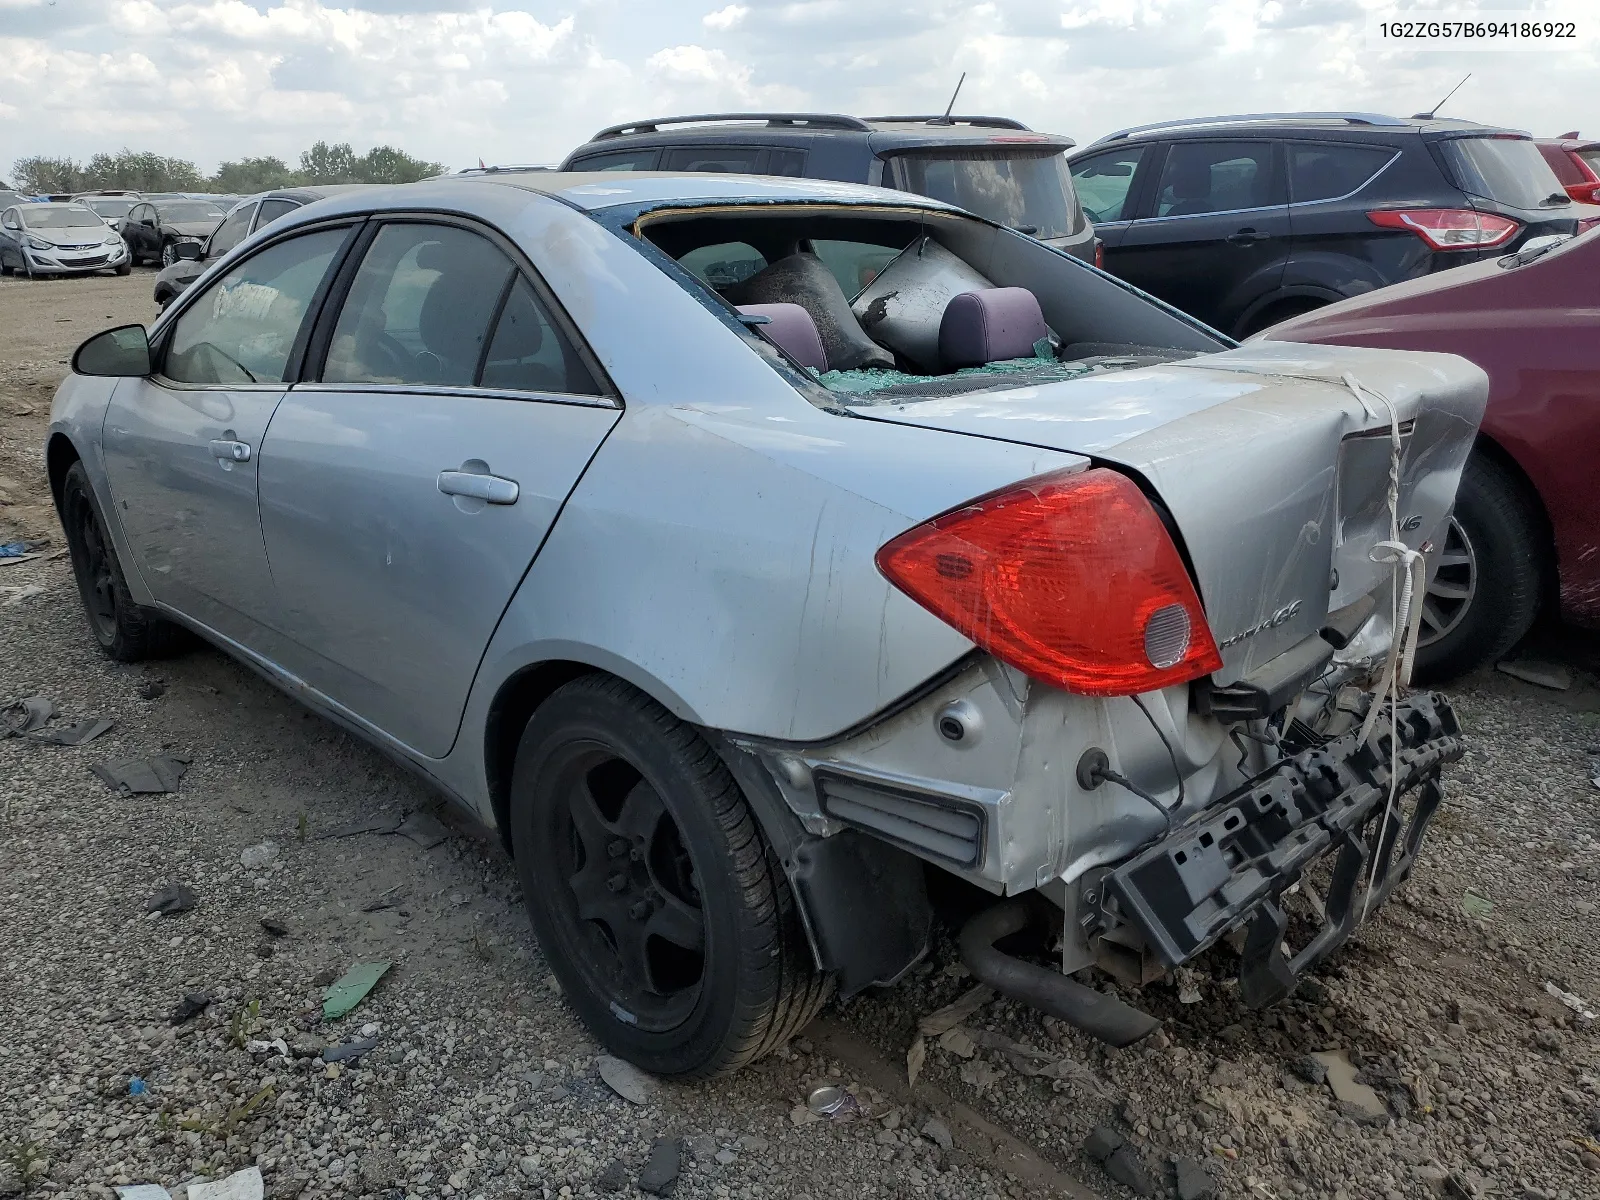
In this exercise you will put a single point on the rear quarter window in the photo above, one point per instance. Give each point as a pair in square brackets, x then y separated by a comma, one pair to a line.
[1325, 171]
[619, 160]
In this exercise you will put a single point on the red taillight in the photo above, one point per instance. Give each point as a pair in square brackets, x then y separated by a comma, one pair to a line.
[1448, 228]
[1585, 193]
[1070, 578]
[1099, 254]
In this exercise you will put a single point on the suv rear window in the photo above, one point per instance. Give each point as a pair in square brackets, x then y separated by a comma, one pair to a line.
[1508, 170]
[1029, 192]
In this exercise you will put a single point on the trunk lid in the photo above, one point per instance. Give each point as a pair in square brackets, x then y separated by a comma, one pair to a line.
[1274, 474]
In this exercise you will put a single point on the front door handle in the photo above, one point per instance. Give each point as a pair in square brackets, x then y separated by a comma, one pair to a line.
[230, 451]
[490, 488]
[1247, 235]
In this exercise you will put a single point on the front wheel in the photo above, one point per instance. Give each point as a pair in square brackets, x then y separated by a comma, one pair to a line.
[651, 890]
[168, 254]
[123, 629]
[1485, 594]
[124, 268]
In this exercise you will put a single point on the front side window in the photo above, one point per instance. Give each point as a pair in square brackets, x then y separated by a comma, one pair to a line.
[242, 329]
[1327, 170]
[1104, 183]
[419, 308]
[231, 232]
[143, 214]
[1027, 191]
[1208, 177]
[619, 160]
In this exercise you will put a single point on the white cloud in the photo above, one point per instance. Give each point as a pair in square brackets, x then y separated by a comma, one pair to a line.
[725, 18]
[527, 80]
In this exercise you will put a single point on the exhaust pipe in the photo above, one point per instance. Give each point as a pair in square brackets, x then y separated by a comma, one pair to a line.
[1098, 1015]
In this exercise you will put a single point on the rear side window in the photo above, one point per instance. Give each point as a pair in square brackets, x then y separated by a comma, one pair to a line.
[1509, 170]
[1325, 170]
[619, 160]
[529, 353]
[1104, 182]
[419, 308]
[272, 209]
[1208, 177]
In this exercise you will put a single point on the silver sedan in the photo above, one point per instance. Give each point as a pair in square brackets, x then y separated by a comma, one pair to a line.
[744, 550]
[59, 239]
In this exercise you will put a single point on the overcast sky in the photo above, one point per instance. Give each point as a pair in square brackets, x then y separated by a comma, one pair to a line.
[523, 81]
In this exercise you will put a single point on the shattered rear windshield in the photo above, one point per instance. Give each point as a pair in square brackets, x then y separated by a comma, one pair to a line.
[1027, 191]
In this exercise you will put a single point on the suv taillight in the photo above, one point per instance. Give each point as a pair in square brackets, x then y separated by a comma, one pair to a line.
[1099, 254]
[1448, 228]
[1069, 577]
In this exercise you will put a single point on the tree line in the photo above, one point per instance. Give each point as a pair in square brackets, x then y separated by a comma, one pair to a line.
[145, 171]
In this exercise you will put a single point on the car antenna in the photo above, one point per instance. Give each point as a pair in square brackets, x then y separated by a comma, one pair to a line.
[1428, 116]
[949, 108]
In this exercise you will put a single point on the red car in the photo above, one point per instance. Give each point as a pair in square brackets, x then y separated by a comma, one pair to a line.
[1576, 162]
[1527, 518]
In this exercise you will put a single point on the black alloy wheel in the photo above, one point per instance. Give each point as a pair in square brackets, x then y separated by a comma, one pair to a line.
[123, 629]
[650, 888]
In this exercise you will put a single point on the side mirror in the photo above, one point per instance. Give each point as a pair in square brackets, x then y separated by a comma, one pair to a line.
[121, 353]
[192, 251]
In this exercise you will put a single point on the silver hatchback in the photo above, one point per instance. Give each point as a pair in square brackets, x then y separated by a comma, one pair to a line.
[746, 549]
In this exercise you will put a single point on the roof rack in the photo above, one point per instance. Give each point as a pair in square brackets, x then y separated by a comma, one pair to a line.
[815, 120]
[1349, 118]
[941, 119]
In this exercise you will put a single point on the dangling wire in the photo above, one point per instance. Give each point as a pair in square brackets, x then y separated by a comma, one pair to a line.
[1407, 567]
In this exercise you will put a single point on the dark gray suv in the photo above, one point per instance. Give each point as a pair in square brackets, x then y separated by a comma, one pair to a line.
[993, 166]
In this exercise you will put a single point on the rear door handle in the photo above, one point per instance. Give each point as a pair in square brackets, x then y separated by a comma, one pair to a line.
[230, 451]
[1247, 235]
[491, 488]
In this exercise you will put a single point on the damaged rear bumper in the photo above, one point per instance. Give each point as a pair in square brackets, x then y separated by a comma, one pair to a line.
[1229, 867]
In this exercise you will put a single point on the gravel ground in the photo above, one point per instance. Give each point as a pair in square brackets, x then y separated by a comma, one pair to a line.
[480, 1082]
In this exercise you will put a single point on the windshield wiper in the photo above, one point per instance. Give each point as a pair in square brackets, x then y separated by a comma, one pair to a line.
[1555, 198]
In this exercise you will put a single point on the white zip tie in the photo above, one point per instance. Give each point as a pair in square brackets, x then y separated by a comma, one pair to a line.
[1407, 576]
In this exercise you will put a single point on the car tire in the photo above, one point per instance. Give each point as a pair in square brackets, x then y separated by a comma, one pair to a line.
[124, 268]
[124, 630]
[5, 267]
[168, 257]
[1277, 312]
[1486, 593]
[627, 829]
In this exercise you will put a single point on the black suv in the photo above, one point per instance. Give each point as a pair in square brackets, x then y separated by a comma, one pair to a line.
[1245, 221]
[992, 166]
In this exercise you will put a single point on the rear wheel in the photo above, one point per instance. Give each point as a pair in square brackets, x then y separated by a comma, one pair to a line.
[1282, 310]
[124, 630]
[653, 895]
[1485, 595]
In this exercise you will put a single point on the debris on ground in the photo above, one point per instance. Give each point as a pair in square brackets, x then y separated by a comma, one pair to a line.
[1541, 674]
[136, 1086]
[349, 1051]
[143, 776]
[937, 1131]
[77, 733]
[142, 1191]
[389, 823]
[25, 715]
[425, 829]
[1576, 1003]
[1356, 1099]
[1476, 906]
[660, 1172]
[275, 926]
[241, 1185]
[191, 1006]
[614, 1178]
[351, 989]
[253, 858]
[171, 900]
[626, 1080]
[151, 689]
[388, 898]
[916, 1056]
[20, 551]
[957, 1011]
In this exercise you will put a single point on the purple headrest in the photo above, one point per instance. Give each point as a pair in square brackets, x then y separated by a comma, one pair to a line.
[990, 326]
[790, 328]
